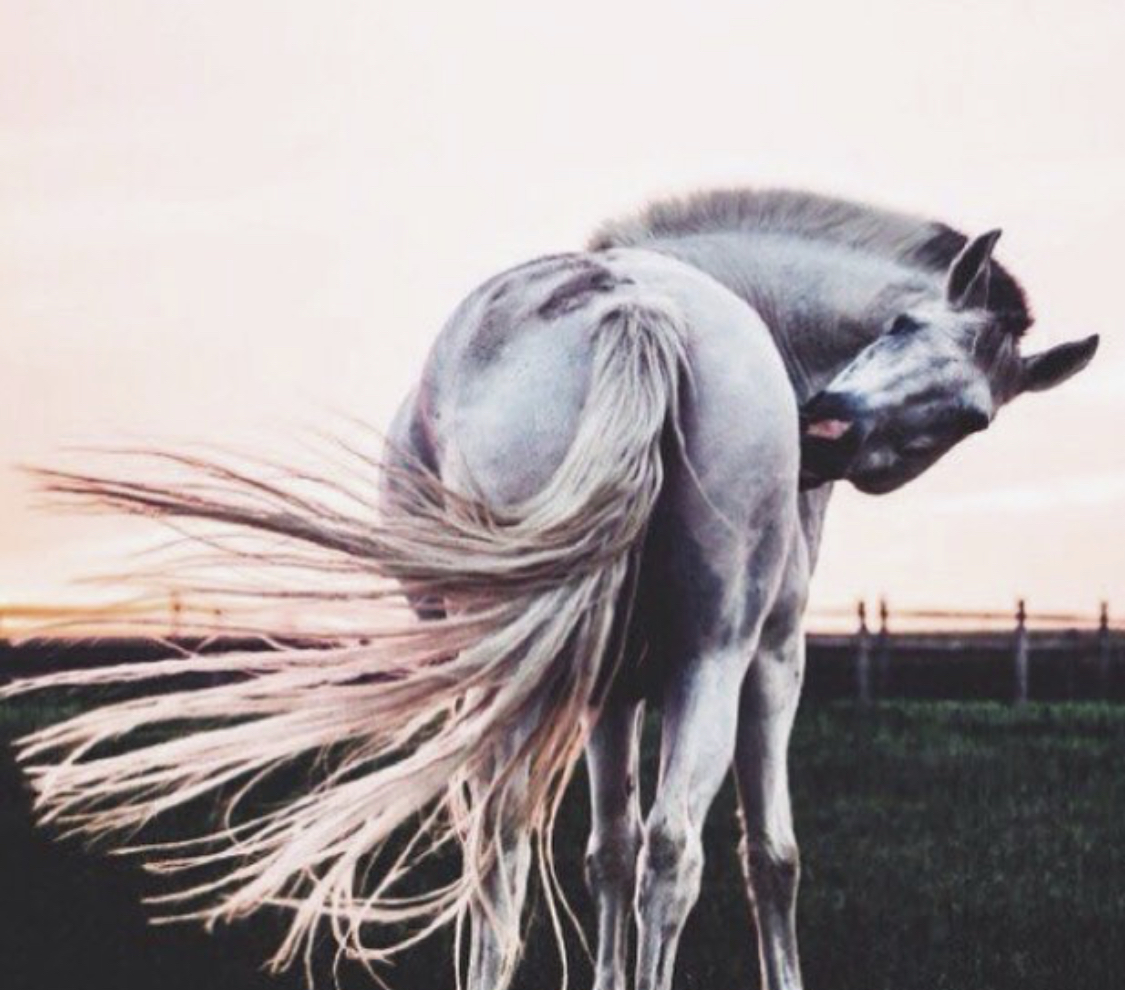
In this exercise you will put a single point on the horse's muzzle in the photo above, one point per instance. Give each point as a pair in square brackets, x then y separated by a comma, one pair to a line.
[831, 438]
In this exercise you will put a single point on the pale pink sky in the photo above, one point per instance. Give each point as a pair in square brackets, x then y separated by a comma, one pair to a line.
[220, 220]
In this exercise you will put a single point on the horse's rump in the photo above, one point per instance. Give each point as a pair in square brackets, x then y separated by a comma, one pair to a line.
[394, 719]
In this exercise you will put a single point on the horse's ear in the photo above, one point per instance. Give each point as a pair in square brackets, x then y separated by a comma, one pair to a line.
[1054, 366]
[966, 286]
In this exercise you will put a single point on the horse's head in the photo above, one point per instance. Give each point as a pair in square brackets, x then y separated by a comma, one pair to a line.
[938, 373]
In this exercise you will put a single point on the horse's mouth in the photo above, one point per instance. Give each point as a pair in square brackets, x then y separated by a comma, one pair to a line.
[828, 449]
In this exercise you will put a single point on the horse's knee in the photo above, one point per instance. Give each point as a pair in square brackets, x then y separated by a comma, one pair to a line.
[671, 867]
[772, 866]
[611, 857]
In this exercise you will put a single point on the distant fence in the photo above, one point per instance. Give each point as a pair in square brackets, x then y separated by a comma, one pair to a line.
[169, 614]
[1017, 656]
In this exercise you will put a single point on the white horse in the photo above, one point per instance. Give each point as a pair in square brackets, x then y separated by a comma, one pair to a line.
[608, 487]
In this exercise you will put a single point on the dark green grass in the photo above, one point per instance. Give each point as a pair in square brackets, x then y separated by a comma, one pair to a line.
[962, 845]
[945, 845]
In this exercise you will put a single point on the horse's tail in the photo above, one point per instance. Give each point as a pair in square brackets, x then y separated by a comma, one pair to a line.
[391, 723]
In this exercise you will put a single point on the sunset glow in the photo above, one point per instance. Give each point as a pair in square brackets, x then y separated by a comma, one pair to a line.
[231, 223]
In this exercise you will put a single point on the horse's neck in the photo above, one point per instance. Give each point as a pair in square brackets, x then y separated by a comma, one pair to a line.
[823, 303]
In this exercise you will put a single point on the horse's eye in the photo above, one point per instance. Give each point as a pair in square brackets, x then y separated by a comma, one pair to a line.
[903, 324]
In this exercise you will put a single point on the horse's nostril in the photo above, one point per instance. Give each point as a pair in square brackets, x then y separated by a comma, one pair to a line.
[920, 446]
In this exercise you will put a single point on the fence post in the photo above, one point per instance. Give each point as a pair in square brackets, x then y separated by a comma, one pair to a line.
[1105, 658]
[863, 657]
[1021, 653]
[175, 612]
[883, 651]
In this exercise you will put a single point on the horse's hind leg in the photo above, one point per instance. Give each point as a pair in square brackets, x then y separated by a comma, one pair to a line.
[769, 851]
[495, 920]
[700, 721]
[615, 837]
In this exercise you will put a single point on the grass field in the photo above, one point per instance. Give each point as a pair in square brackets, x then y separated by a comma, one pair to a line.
[945, 845]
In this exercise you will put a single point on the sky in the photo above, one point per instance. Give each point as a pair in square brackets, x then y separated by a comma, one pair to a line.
[232, 221]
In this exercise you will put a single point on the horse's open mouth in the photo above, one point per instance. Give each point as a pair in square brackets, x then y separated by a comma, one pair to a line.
[828, 448]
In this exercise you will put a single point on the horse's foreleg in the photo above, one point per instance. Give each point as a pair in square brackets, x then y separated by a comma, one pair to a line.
[700, 722]
[615, 837]
[769, 849]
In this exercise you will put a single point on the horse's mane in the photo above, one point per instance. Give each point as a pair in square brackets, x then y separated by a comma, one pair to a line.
[927, 245]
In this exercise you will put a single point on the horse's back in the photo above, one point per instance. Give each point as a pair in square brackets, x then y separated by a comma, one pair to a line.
[505, 383]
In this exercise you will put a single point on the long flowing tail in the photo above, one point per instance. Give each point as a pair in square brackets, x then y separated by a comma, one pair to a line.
[388, 722]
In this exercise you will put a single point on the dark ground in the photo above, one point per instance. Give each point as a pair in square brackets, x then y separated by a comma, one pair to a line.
[945, 845]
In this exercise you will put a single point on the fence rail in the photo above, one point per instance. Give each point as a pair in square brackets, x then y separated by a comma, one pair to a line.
[1033, 654]
[1018, 656]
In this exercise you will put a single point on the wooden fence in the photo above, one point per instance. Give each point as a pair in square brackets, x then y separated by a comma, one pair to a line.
[1018, 656]
[912, 653]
